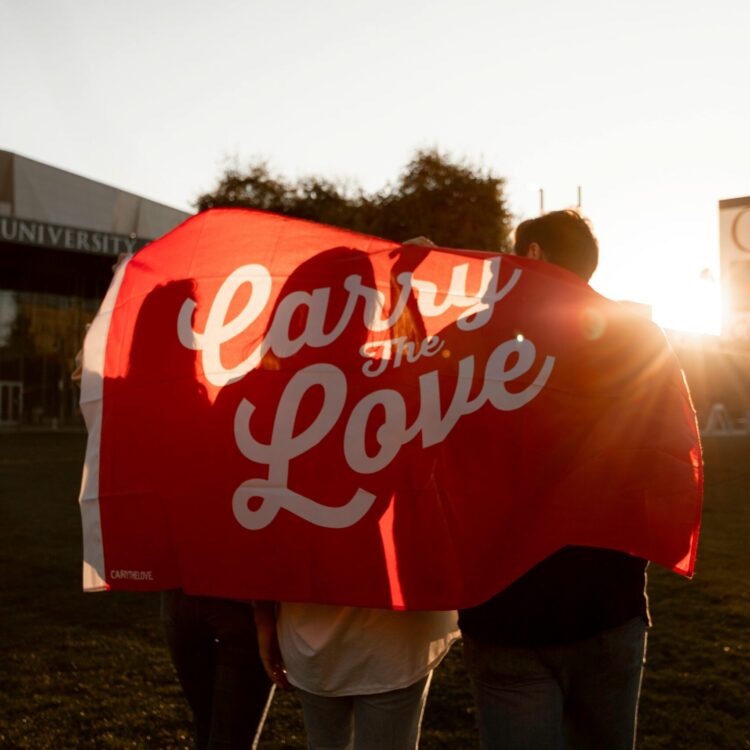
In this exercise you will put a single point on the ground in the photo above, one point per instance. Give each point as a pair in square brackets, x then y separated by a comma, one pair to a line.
[91, 670]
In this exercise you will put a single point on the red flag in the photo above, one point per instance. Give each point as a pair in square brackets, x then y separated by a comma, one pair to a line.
[283, 410]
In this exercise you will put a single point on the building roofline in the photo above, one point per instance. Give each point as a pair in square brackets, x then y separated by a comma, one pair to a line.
[35, 191]
[735, 202]
[91, 179]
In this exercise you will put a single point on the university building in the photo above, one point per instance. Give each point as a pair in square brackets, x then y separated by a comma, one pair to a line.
[60, 234]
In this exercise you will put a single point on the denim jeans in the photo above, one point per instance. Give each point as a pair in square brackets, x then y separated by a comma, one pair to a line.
[214, 649]
[574, 696]
[382, 721]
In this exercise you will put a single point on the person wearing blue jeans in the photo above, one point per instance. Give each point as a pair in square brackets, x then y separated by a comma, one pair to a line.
[578, 695]
[556, 658]
[362, 675]
[390, 719]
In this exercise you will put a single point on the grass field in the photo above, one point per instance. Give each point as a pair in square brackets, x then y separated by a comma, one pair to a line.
[91, 671]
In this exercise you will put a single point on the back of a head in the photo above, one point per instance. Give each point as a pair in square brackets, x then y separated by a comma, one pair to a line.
[565, 239]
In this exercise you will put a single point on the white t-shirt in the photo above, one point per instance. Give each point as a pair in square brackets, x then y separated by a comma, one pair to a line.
[330, 650]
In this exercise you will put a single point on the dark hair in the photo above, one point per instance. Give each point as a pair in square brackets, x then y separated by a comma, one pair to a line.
[565, 238]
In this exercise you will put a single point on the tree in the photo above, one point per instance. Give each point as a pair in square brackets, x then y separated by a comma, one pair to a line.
[255, 189]
[453, 203]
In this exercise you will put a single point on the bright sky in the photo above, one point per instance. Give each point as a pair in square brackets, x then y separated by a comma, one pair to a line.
[644, 104]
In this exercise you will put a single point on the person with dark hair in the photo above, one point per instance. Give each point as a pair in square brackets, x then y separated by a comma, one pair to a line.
[556, 658]
[560, 237]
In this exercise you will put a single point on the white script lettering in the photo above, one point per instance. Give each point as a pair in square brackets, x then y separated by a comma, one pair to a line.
[393, 433]
[273, 492]
[394, 351]
[476, 311]
[257, 501]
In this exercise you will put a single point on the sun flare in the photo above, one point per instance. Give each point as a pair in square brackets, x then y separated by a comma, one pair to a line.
[693, 307]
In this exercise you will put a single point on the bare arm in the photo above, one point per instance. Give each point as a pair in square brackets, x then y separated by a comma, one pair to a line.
[268, 643]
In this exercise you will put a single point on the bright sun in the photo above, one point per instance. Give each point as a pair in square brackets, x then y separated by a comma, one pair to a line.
[693, 307]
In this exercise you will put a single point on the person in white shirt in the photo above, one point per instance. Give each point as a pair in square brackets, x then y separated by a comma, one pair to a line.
[362, 675]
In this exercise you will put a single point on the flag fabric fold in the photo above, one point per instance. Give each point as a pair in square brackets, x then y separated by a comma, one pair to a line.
[283, 410]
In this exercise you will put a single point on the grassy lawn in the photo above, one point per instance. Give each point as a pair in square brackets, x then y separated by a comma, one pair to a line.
[91, 671]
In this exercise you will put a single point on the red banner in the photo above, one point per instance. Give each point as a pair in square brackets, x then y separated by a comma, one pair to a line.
[283, 410]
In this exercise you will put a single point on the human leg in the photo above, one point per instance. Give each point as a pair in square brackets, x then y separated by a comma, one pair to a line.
[215, 653]
[241, 688]
[519, 701]
[329, 721]
[191, 647]
[390, 720]
[601, 679]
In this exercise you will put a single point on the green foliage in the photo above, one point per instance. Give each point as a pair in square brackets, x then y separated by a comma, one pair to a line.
[453, 203]
[311, 198]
